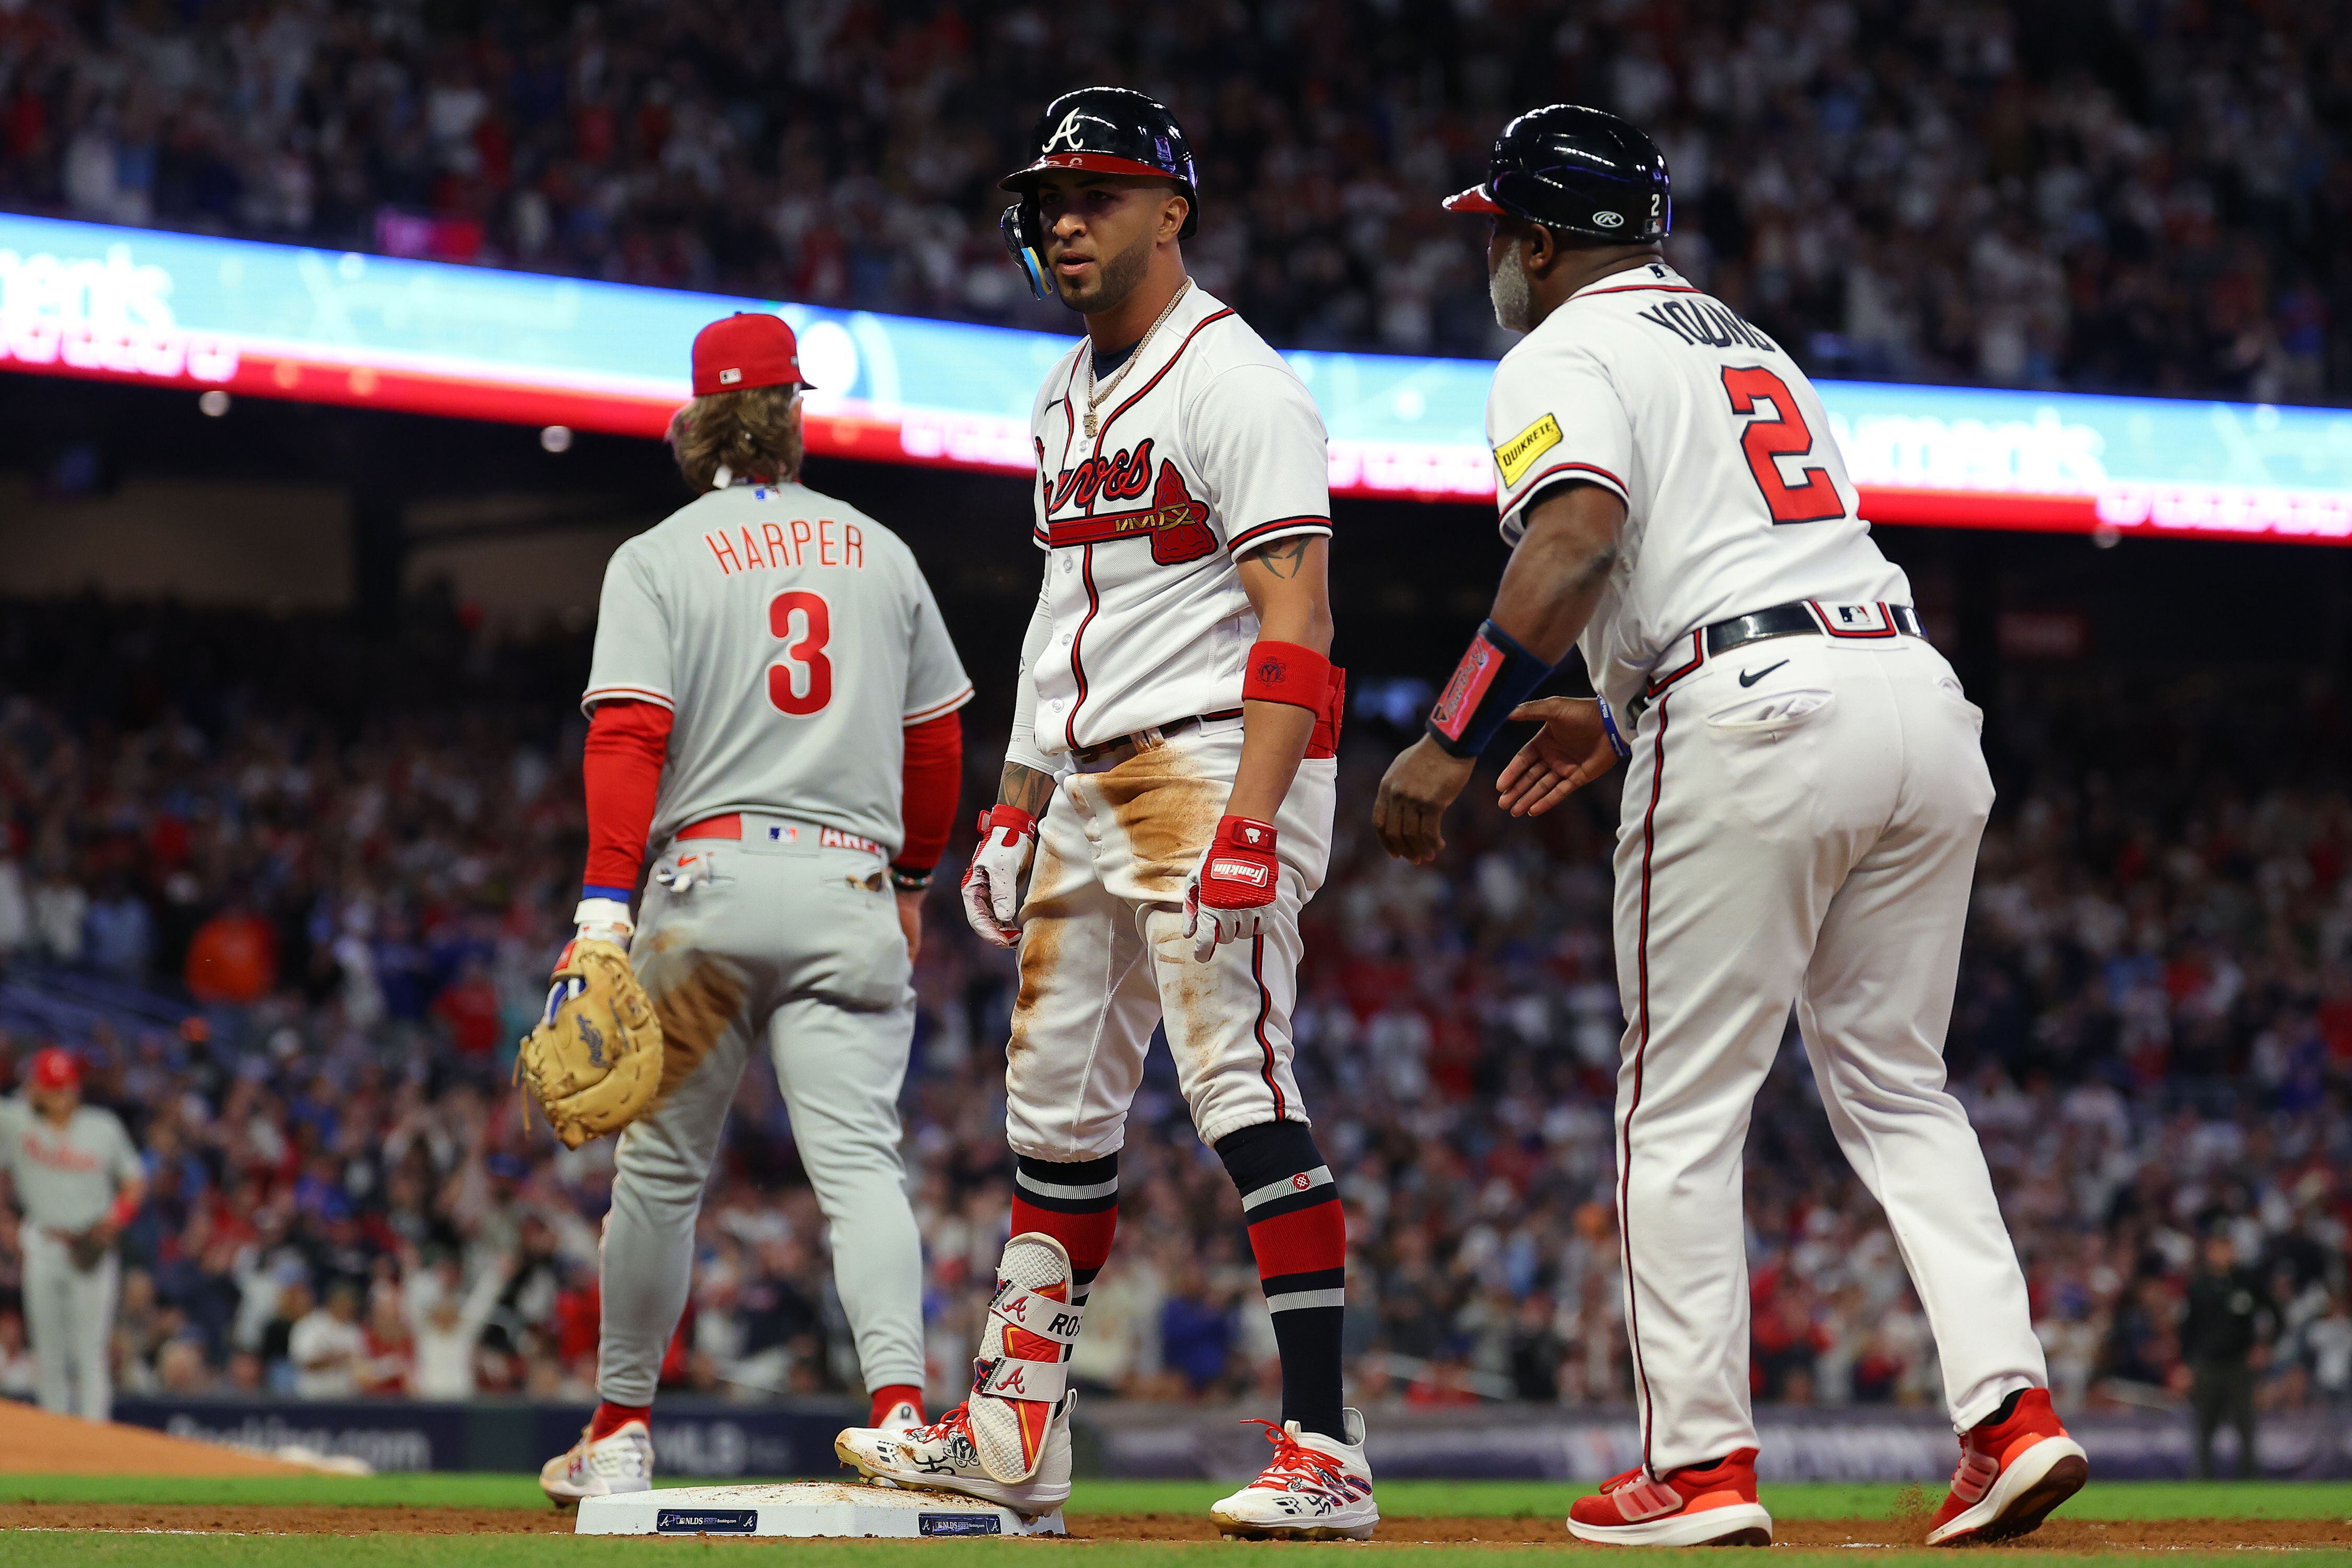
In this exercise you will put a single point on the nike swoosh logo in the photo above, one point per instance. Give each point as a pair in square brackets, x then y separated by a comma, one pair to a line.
[1747, 679]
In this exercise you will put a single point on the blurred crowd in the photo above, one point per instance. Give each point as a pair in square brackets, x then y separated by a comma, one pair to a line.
[2122, 193]
[295, 941]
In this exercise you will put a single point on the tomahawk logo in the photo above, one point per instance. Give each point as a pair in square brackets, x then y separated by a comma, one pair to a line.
[1065, 135]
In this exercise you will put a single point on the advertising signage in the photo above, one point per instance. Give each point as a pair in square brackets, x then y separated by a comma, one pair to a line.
[275, 321]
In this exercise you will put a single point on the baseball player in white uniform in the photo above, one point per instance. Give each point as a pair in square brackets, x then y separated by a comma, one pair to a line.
[1173, 730]
[1804, 800]
[78, 1181]
[774, 706]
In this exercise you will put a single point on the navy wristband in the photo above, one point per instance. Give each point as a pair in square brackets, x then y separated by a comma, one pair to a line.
[1495, 676]
[1609, 723]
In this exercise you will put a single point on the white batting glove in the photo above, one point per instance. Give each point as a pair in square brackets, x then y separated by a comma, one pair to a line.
[1233, 887]
[992, 887]
[598, 919]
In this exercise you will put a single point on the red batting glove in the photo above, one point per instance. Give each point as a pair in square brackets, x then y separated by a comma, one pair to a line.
[1232, 887]
[992, 887]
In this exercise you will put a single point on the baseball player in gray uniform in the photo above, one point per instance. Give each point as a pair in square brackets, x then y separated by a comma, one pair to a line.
[78, 1181]
[773, 705]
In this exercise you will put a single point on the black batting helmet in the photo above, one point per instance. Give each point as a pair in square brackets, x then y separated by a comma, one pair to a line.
[1106, 131]
[1579, 171]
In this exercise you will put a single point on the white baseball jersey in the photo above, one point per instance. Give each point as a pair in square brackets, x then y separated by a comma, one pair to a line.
[794, 637]
[1210, 446]
[1736, 496]
[66, 1178]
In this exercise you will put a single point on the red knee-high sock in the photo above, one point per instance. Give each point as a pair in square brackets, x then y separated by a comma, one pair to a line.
[1298, 1234]
[890, 1396]
[1076, 1204]
[611, 1417]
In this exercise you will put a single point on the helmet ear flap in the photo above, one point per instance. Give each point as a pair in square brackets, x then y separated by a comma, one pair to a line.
[1025, 244]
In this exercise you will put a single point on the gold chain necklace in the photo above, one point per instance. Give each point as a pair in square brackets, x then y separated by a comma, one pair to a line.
[1094, 398]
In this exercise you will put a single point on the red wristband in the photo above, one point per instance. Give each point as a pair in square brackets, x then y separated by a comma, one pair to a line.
[1011, 818]
[123, 1212]
[1287, 672]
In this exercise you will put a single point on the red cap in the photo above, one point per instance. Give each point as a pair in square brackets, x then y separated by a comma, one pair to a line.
[55, 1069]
[745, 350]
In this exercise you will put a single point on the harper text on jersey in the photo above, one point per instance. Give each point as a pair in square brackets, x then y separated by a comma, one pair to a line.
[779, 546]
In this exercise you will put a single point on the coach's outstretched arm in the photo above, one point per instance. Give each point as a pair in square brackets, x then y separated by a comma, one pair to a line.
[1548, 591]
[1008, 830]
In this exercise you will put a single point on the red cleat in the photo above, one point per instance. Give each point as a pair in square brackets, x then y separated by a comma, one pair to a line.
[2012, 1472]
[1698, 1505]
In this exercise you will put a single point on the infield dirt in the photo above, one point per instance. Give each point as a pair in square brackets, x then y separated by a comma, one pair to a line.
[36, 1443]
[2058, 1535]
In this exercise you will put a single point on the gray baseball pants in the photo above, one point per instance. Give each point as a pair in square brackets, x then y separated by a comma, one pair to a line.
[69, 1314]
[786, 939]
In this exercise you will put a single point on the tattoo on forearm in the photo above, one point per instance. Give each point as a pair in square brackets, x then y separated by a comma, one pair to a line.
[1025, 789]
[1284, 557]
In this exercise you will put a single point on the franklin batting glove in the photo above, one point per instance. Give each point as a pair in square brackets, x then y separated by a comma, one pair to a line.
[992, 887]
[1232, 887]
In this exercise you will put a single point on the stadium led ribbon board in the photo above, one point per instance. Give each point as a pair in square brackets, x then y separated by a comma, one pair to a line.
[274, 321]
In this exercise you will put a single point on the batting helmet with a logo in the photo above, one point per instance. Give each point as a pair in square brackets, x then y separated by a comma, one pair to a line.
[1579, 171]
[1104, 131]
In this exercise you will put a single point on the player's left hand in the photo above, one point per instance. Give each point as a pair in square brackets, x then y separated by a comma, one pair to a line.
[1415, 792]
[1569, 751]
[1232, 887]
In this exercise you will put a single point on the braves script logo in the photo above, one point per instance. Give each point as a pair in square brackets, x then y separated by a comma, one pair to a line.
[1177, 524]
[1120, 477]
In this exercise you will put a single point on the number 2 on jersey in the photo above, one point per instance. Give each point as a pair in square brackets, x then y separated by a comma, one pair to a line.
[804, 683]
[1779, 432]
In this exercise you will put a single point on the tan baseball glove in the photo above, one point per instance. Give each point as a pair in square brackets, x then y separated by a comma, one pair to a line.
[594, 1062]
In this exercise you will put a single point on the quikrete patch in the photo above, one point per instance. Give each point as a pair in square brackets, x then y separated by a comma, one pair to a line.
[1518, 453]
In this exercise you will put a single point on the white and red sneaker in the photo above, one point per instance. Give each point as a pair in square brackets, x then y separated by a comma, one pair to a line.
[1317, 1488]
[1010, 1442]
[1698, 1505]
[2014, 1470]
[903, 1417]
[620, 1461]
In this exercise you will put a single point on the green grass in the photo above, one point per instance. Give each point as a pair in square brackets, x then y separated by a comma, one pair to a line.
[564, 1552]
[1399, 1500]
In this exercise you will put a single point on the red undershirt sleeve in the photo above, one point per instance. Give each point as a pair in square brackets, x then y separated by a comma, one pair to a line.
[621, 766]
[933, 779]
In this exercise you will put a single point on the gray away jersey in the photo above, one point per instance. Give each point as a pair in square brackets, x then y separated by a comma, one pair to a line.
[66, 1178]
[794, 638]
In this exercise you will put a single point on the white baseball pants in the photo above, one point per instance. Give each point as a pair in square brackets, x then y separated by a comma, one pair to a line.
[1801, 825]
[69, 1317]
[1103, 955]
[799, 946]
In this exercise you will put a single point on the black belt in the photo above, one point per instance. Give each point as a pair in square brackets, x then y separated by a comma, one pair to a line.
[1804, 617]
[1111, 752]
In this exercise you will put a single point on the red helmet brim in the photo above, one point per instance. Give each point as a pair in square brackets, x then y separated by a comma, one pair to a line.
[1088, 163]
[1474, 200]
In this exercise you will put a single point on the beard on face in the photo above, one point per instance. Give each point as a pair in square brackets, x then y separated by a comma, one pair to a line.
[1508, 288]
[1115, 279]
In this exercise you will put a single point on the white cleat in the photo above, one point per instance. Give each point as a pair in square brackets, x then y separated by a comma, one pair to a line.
[1010, 1442]
[1317, 1488]
[621, 1461]
[945, 1456]
[900, 1417]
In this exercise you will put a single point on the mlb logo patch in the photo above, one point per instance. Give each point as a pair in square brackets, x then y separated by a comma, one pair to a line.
[782, 832]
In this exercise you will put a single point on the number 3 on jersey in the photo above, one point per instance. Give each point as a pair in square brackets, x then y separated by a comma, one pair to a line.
[1776, 431]
[803, 622]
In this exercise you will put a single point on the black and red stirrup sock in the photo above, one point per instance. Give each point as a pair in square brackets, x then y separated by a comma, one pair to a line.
[1299, 1234]
[1076, 1204]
